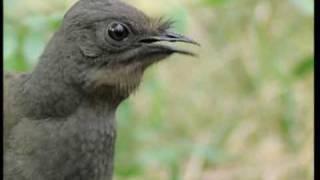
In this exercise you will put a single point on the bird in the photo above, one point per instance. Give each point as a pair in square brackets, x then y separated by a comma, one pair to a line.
[59, 118]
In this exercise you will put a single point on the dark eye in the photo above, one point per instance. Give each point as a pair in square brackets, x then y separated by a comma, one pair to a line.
[118, 31]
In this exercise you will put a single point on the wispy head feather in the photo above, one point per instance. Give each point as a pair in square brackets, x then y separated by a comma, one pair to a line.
[163, 24]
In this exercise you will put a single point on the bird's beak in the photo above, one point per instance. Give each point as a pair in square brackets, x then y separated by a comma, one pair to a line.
[171, 37]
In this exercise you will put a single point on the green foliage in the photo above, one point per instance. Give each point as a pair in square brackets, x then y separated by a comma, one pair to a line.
[25, 36]
[215, 2]
[304, 67]
[305, 6]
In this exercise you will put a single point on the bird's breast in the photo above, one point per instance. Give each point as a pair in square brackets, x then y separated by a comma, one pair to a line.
[96, 136]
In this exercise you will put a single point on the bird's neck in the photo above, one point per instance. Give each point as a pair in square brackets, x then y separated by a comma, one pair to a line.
[96, 135]
[44, 96]
[53, 88]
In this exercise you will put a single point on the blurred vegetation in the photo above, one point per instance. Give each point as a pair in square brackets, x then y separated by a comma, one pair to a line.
[243, 110]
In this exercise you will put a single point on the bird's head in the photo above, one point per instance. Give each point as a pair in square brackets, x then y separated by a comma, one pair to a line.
[115, 43]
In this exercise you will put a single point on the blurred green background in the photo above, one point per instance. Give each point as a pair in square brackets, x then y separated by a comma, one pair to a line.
[242, 111]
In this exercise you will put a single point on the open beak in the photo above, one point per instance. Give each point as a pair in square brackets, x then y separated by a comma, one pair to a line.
[171, 37]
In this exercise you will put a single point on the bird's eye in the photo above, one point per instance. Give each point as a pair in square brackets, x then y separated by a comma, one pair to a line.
[118, 31]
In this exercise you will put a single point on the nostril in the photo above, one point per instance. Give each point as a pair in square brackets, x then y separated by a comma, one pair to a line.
[171, 36]
[148, 40]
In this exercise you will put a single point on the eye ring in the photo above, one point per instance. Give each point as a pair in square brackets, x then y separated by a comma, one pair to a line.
[118, 31]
